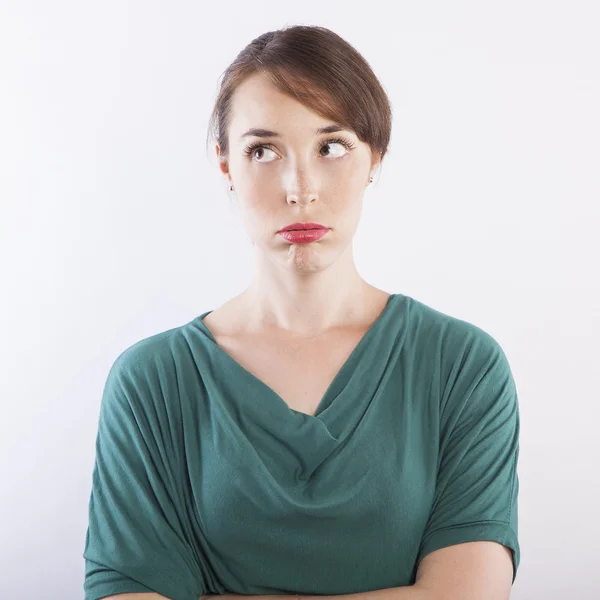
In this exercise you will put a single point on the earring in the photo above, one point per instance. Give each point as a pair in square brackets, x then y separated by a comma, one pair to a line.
[230, 188]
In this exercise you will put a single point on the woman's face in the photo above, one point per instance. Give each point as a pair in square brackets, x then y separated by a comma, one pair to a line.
[294, 174]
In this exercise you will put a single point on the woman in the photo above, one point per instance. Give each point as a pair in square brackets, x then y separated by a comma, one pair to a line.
[315, 434]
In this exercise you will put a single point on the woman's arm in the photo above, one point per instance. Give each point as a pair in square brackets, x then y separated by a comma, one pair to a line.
[138, 596]
[409, 592]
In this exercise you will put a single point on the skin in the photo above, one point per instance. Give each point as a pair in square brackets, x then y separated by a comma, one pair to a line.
[301, 289]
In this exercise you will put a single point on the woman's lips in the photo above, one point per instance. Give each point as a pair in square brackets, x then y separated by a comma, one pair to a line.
[303, 236]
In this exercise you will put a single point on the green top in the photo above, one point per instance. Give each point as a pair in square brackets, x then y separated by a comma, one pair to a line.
[206, 482]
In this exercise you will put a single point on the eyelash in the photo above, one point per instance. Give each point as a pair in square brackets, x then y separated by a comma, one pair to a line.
[251, 148]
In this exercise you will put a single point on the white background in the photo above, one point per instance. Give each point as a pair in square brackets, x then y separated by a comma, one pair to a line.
[116, 224]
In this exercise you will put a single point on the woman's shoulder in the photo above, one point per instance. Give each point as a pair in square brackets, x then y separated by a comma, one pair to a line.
[161, 350]
[457, 350]
[431, 326]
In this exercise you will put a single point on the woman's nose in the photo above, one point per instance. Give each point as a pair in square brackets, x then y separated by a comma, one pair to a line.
[300, 185]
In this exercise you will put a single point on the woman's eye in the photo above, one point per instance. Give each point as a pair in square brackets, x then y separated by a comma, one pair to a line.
[262, 149]
[342, 147]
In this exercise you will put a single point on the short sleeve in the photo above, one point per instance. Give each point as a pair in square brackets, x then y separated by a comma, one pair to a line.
[477, 483]
[136, 539]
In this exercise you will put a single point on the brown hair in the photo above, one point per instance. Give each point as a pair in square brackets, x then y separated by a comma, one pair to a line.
[322, 71]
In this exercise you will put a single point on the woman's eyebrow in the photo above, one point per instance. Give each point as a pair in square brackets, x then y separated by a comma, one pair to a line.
[258, 132]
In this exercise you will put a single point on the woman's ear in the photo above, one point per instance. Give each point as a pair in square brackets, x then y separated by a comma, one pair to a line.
[375, 162]
[223, 165]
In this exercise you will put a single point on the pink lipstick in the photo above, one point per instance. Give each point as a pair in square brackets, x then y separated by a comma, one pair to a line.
[302, 233]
